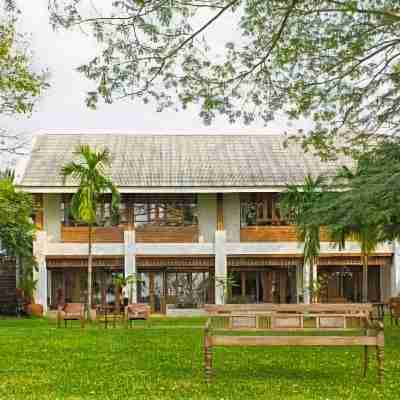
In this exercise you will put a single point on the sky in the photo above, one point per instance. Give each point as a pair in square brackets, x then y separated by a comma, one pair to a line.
[62, 107]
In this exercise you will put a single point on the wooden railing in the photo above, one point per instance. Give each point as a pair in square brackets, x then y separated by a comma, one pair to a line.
[147, 234]
[285, 233]
[80, 234]
[167, 234]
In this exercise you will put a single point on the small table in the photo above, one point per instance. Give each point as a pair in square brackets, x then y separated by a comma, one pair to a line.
[108, 314]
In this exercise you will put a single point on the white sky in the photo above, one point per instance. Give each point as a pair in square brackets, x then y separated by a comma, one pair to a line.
[62, 107]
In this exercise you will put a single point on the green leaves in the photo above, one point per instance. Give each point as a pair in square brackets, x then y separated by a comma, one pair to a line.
[89, 172]
[296, 204]
[328, 61]
[20, 86]
[16, 227]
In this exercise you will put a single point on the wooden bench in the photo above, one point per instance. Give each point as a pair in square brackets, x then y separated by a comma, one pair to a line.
[367, 333]
[136, 311]
[71, 312]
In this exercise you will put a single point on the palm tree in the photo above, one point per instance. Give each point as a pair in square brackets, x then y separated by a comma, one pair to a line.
[296, 204]
[90, 174]
[350, 216]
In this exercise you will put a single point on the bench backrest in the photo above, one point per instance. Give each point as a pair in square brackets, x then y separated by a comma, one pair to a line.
[288, 322]
[73, 308]
[138, 307]
[394, 300]
[342, 308]
[395, 309]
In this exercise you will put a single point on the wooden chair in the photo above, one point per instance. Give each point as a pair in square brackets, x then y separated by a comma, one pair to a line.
[394, 306]
[71, 312]
[136, 311]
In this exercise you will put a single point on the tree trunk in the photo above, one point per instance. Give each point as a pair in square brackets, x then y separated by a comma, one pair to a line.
[89, 290]
[314, 274]
[365, 278]
[118, 298]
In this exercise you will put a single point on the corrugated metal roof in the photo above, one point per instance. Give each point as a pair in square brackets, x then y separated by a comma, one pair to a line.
[169, 161]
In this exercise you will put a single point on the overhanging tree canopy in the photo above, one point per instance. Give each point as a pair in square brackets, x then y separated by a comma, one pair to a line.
[333, 61]
[20, 84]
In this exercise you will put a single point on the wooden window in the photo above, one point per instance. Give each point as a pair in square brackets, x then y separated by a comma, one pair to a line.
[165, 210]
[260, 209]
[104, 216]
[159, 210]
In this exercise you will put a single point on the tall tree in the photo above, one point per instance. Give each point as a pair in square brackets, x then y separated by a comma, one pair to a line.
[20, 84]
[335, 62]
[17, 230]
[346, 219]
[295, 205]
[90, 173]
[361, 204]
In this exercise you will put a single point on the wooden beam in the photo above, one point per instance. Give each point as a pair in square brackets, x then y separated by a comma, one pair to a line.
[38, 207]
[243, 282]
[292, 341]
[220, 212]
[165, 291]
[151, 292]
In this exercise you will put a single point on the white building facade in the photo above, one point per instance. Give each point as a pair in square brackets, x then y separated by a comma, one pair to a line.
[198, 223]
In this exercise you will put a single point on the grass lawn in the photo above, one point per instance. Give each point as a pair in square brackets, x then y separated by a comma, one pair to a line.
[163, 360]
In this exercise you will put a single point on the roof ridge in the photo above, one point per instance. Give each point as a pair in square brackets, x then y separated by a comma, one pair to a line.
[166, 134]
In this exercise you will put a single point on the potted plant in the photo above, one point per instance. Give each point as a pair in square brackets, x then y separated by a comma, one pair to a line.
[28, 287]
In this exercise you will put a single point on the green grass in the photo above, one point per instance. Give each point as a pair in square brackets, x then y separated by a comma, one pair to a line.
[163, 359]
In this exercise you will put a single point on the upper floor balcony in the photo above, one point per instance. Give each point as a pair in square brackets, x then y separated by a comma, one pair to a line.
[171, 218]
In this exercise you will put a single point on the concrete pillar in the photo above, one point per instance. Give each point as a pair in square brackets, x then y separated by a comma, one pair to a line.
[299, 283]
[306, 283]
[221, 268]
[130, 263]
[39, 251]
[395, 275]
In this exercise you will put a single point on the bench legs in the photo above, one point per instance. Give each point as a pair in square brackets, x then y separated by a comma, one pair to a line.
[380, 359]
[207, 359]
[365, 360]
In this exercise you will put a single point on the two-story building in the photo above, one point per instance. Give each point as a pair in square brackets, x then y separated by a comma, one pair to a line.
[194, 209]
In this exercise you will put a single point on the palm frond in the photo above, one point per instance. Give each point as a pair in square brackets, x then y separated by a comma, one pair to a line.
[89, 170]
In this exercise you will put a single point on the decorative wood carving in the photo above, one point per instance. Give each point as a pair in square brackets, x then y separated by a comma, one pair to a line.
[285, 260]
[248, 261]
[82, 262]
[200, 262]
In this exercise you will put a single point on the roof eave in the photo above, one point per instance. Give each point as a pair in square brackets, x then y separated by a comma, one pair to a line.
[128, 189]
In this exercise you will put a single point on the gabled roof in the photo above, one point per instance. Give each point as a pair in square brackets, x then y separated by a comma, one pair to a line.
[202, 163]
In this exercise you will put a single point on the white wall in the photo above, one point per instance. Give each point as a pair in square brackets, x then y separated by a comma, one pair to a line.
[52, 220]
[232, 217]
[207, 204]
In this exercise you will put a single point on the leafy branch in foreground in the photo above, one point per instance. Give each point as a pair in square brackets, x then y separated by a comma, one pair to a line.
[20, 85]
[334, 62]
